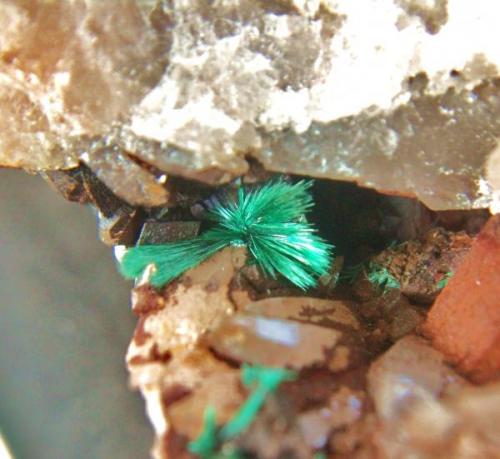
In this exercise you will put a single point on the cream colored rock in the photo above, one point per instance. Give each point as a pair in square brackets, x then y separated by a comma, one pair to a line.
[167, 360]
[398, 95]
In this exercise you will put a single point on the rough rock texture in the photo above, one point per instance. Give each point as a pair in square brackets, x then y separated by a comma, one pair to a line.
[359, 373]
[421, 265]
[400, 95]
[191, 335]
[312, 310]
[465, 319]
[178, 376]
[426, 410]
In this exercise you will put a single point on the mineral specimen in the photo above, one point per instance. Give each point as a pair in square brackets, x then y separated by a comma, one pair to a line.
[140, 108]
[427, 410]
[398, 95]
[418, 266]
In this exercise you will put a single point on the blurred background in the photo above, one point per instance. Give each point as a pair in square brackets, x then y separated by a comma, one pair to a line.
[65, 323]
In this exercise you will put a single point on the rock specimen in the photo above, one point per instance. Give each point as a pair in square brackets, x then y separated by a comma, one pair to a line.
[190, 336]
[140, 108]
[465, 320]
[398, 95]
[462, 424]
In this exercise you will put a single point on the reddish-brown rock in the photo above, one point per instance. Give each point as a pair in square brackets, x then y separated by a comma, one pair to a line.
[464, 323]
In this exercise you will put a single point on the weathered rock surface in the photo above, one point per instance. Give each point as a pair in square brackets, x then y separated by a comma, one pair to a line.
[344, 408]
[275, 432]
[398, 95]
[176, 374]
[117, 103]
[191, 336]
[464, 322]
[422, 266]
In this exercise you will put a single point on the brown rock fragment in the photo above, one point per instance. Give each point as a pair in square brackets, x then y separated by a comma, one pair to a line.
[106, 202]
[69, 183]
[275, 433]
[220, 389]
[405, 319]
[193, 302]
[130, 180]
[120, 228]
[146, 299]
[118, 222]
[161, 232]
[177, 393]
[464, 322]
[282, 343]
[344, 407]
[387, 316]
[355, 441]
[419, 265]
[264, 286]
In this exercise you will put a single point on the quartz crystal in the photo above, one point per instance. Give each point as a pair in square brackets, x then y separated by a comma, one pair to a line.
[398, 95]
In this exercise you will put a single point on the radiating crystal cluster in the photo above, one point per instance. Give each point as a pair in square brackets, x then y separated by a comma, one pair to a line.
[398, 95]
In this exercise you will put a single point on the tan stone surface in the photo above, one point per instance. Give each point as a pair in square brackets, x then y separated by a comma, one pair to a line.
[397, 95]
[167, 359]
